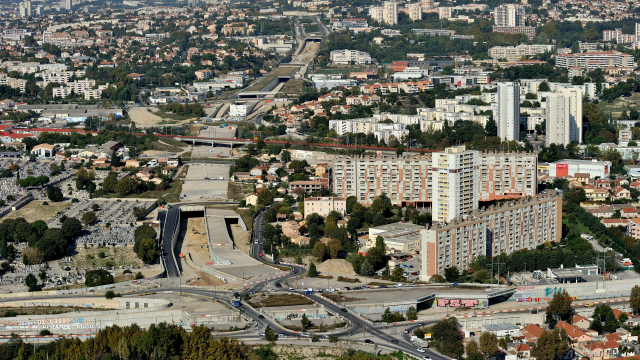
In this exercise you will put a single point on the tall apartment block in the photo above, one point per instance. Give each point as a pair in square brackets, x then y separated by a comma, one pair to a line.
[507, 175]
[455, 187]
[390, 12]
[406, 181]
[377, 13]
[508, 114]
[564, 116]
[415, 11]
[510, 19]
[518, 225]
[509, 15]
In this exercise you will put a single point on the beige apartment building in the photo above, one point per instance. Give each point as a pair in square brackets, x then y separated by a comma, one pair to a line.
[324, 205]
[507, 175]
[455, 186]
[405, 180]
[514, 226]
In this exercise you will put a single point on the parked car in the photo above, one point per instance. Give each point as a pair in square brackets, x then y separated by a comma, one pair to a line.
[368, 341]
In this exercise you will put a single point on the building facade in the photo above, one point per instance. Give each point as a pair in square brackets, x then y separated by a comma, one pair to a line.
[324, 205]
[507, 175]
[508, 114]
[509, 15]
[595, 60]
[564, 117]
[455, 188]
[519, 225]
[406, 181]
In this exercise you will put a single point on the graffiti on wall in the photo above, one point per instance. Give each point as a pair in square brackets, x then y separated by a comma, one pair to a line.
[458, 302]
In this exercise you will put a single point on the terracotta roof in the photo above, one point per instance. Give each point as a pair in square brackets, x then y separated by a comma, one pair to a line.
[571, 330]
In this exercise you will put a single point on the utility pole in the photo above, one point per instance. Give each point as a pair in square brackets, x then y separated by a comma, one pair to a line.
[492, 264]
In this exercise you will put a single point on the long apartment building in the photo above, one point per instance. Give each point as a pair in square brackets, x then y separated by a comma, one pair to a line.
[12, 82]
[515, 53]
[456, 179]
[404, 180]
[61, 77]
[515, 226]
[595, 60]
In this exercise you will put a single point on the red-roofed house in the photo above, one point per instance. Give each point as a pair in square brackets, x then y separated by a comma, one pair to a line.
[580, 321]
[531, 332]
[599, 350]
[617, 222]
[576, 334]
[629, 212]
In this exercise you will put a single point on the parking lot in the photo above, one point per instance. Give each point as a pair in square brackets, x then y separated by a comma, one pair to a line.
[206, 181]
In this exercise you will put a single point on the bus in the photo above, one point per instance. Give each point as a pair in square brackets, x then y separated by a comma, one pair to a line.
[236, 302]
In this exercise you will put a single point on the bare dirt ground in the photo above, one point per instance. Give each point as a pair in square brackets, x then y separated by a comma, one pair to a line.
[307, 54]
[204, 279]
[196, 244]
[337, 266]
[143, 118]
[117, 257]
[241, 238]
[153, 152]
[36, 211]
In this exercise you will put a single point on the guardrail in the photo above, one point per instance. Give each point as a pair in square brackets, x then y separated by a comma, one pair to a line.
[173, 241]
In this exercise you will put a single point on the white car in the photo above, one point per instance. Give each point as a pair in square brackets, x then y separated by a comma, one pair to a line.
[420, 349]
[426, 358]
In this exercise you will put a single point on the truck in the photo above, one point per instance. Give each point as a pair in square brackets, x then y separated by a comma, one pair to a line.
[419, 342]
[308, 291]
[236, 302]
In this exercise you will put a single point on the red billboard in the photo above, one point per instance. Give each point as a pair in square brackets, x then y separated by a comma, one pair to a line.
[562, 170]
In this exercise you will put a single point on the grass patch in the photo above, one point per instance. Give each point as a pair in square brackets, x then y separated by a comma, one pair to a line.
[279, 71]
[238, 191]
[172, 194]
[171, 116]
[324, 277]
[185, 170]
[349, 280]
[316, 327]
[36, 211]
[376, 283]
[311, 28]
[293, 86]
[578, 226]
[264, 300]
[340, 298]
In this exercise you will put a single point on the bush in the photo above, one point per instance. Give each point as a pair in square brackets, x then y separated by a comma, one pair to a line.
[44, 203]
[139, 276]
[109, 294]
[98, 278]
[45, 332]
[333, 339]
[126, 271]
[102, 255]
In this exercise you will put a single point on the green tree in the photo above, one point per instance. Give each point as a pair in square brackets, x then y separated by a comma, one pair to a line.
[544, 86]
[320, 251]
[285, 156]
[634, 299]
[559, 308]
[491, 128]
[366, 268]
[147, 251]
[451, 274]
[312, 270]
[32, 283]
[551, 345]
[109, 183]
[126, 186]
[109, 294]
[55, 194]
[596, 325]
[397, 274]
[98, 278]
[473, 351]
[412, 314]
[89, 218]
[265, 198]
[269, 334]
[488, 345]
[115, 159]
[305, 322]
[71, 228]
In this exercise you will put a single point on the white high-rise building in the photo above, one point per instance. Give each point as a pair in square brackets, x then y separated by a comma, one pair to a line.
[455, 183]
[390, 12]
[22, 10]
[508, 114]
[377, 13]
[415, 11]
[509, 15]
[68, 4]
[637, 29]
[27, 5]
[564, 117]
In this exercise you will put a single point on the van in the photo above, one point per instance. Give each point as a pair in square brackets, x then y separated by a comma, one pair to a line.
[304, 335]
[398, 285]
